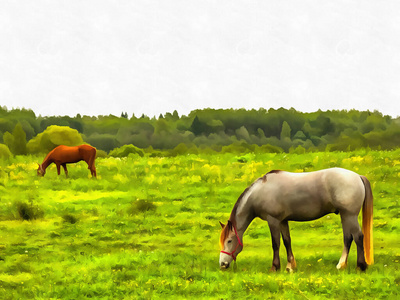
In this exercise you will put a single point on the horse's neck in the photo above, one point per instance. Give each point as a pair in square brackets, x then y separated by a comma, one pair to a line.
[244, 214]
[46, 162]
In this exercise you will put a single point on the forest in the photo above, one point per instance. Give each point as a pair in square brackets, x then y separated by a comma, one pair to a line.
[201, 131]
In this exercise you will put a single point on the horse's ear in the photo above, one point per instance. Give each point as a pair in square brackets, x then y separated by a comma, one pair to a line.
[222, 225]
[230, 225]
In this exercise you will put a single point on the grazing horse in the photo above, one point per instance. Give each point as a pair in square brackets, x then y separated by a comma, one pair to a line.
[279, 197]
[63, 155]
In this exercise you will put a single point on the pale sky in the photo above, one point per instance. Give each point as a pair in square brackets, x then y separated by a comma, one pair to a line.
[107, 57]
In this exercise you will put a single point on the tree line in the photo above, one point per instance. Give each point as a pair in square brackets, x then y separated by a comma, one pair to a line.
[233, 130]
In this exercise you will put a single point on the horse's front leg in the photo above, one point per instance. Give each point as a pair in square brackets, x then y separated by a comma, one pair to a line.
[291, 264]
[58, 169]
[274, 227]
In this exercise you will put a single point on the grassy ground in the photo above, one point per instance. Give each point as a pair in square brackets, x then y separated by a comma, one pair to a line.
[148, 228]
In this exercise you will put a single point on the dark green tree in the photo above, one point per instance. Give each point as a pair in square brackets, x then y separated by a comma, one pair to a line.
[16, 141]
[285, 132]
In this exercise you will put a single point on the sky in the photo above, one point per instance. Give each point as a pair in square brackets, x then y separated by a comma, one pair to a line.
[152, 57]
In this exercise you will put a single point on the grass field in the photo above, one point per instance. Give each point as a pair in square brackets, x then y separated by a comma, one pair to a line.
[148, 228]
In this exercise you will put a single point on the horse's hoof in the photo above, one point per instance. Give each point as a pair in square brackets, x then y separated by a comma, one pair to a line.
[273, 269]
[291, 266]
[341, 266]
[362, 267]
[289, 270]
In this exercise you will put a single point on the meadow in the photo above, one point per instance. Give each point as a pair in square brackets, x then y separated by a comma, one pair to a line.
[148, 228]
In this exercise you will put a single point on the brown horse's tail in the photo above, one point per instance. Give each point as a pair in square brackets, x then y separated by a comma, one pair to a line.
[367, 216]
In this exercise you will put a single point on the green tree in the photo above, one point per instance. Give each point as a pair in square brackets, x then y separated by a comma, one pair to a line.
[105, 142]
[299, 136]
[242, 133]
[16, 141]
[19, 140]
[285, 132]
[198, 127]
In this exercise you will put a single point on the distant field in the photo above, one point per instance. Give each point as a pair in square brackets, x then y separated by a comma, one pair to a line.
[148, 228]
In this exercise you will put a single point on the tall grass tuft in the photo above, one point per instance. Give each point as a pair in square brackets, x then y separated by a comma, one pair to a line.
[69, 218]
[29, 211]
[141, 206]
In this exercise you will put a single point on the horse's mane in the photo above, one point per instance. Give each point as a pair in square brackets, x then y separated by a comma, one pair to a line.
[232, 219]
[49, 154]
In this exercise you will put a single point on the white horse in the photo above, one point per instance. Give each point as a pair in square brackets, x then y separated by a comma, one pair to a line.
[279, 197]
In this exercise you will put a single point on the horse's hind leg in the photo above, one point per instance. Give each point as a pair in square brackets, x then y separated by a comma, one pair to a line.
[274, 227]
[93, 171]
[91, 165]
[347, 239]
[291, 264]
[352, 231]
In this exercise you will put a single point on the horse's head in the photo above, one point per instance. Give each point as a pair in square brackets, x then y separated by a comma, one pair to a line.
[230, 244]
[41, 171]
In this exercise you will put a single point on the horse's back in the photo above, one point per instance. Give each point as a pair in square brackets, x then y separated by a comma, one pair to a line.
[87, 148]
[64, 154]
[67, 154]
[310, 195]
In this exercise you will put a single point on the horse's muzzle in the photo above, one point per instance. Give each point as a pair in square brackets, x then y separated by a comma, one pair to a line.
[224, 265]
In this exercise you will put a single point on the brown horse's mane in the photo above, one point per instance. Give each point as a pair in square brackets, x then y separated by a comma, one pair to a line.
[232, 219]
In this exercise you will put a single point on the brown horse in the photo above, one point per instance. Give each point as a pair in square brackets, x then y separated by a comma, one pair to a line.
[63, 155]
[279, 197]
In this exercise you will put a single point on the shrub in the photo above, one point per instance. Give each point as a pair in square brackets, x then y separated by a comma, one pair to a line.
[101, 153]
[179, 150]
[4, 151]
[126, 150]
[52, 137]
[269, 149]
[244, 158]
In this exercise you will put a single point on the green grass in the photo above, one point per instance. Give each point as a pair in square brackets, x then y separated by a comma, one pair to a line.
[148, 228]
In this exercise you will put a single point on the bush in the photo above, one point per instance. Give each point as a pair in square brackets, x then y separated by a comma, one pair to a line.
[101, 153]
[52, 137]
[125, 150]
[244, 158]
[269, 149]
[4, 151]
[298, 150]
[179, 150]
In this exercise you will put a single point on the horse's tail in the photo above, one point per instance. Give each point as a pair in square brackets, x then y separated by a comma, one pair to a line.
[367, 216]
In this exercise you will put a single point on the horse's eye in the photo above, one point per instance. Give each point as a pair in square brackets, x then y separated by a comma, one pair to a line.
[230, 241]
